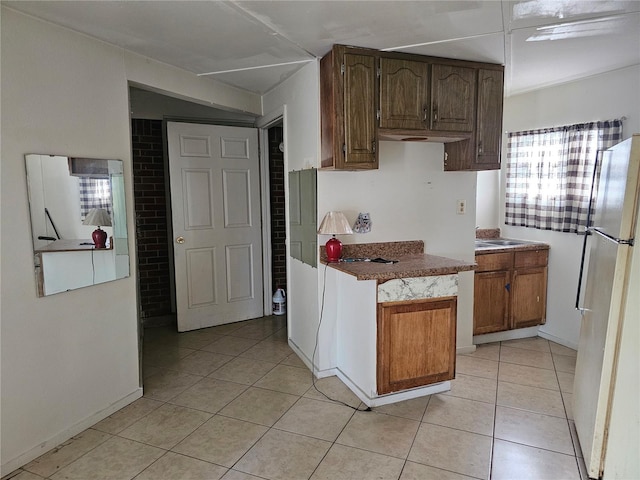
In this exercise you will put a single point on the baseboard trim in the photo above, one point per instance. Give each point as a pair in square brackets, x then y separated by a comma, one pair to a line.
[378, 401]
[465, 350]
[506, 335]
[559, 340]
[327, 372]
[43, 447]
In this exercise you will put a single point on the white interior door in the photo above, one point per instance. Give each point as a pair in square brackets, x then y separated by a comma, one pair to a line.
[215, 202]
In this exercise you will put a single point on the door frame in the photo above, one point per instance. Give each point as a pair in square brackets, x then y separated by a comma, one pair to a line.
[263, 124]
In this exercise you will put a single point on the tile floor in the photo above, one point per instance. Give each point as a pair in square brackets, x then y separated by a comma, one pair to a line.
[234, 402]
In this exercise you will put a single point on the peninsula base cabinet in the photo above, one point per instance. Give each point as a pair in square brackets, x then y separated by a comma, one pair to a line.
[394, 340]
[416, 343]
[510, 290]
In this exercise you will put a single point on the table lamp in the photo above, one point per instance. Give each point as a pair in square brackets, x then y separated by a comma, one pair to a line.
[334, 223]
[97, 217]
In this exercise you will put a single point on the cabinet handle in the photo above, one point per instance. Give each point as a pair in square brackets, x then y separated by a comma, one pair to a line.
[435, 113]
[373, 146]
[426, 114]
[479, 148]
[508, 287]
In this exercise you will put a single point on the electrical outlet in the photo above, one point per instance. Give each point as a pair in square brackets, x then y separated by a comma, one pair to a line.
[461, 207]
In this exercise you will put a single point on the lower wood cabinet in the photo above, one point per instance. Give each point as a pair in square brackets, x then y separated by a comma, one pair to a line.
[528, 297]
[491, 304]
[510, 290]
[416, 343]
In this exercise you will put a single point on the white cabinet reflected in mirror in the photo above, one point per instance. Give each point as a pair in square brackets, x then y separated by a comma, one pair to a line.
[78, 221]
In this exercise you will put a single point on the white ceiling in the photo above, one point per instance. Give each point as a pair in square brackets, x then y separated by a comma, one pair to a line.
[255, 45]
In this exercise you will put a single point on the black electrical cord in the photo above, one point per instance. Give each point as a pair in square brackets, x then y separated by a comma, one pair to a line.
[315, 348]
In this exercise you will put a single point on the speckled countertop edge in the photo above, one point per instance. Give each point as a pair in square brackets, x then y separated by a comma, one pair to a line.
[485, 233]
[389, 250]
[408, 266]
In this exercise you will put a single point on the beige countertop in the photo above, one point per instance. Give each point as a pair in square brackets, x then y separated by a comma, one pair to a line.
[408, 266]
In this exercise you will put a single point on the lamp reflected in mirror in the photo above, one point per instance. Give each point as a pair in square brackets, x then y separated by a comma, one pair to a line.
[97, 217]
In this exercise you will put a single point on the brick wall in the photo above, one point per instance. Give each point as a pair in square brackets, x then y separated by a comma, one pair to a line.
[151, 218]
[276, 174]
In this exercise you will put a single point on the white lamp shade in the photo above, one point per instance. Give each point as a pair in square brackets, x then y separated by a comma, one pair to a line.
[335, 223]
[98, 217]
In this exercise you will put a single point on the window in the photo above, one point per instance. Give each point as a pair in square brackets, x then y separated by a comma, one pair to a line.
[550, 173]
[94, 193]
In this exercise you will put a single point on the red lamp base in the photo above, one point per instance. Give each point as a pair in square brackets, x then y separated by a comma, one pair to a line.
[99, 237]
[334, 249]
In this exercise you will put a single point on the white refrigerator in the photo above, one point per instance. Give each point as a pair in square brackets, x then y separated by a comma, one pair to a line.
[606, 404]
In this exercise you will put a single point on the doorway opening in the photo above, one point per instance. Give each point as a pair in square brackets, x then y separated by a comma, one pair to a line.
[275, 134]
[152, 220]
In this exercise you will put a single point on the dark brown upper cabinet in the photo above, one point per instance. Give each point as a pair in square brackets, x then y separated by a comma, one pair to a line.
[453, 90]
[368, 95]
[482, 150]
[489, 123]
[348, 91]
[404, 94]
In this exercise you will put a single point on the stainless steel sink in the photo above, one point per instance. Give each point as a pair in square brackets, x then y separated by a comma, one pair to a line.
[499, 242]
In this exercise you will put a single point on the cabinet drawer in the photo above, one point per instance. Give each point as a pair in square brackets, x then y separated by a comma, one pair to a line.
[494, 261]
[531, 258]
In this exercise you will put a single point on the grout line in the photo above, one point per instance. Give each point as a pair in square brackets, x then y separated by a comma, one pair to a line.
[495, 414]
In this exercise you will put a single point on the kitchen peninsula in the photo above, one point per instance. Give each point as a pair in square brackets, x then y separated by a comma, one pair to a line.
[393, 325]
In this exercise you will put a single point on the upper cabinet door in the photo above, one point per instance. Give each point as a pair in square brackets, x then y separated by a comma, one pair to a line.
[489, 124]
[404, 94]
[360, 149]
[453, 92]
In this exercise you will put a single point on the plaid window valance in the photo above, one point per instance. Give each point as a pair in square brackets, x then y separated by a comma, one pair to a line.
[550, 172]
[94, 193]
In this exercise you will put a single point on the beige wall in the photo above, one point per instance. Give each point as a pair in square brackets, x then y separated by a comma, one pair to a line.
[69, 359]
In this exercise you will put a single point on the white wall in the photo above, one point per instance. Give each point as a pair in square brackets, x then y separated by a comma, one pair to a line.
[601, 97]
[487, 196]
[411, 197]
[70, 359]
[301, 95]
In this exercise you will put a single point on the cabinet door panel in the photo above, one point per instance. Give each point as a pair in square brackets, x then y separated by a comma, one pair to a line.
[416, 344]
[491, 300]
[359, 111]
[454, 98]
[528, 297]
[489, 121]
[404, 101]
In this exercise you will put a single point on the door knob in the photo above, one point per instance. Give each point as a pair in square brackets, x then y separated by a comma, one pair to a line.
[180, 240]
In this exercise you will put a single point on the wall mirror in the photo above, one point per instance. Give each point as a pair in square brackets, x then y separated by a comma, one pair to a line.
[303, 216]
[78, 221]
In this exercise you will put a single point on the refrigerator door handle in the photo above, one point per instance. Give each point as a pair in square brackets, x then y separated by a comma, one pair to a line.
[619, 241]
[584, 251]
[587, 229]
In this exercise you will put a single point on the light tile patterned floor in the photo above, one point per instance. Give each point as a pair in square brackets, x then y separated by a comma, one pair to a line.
[235, 403]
